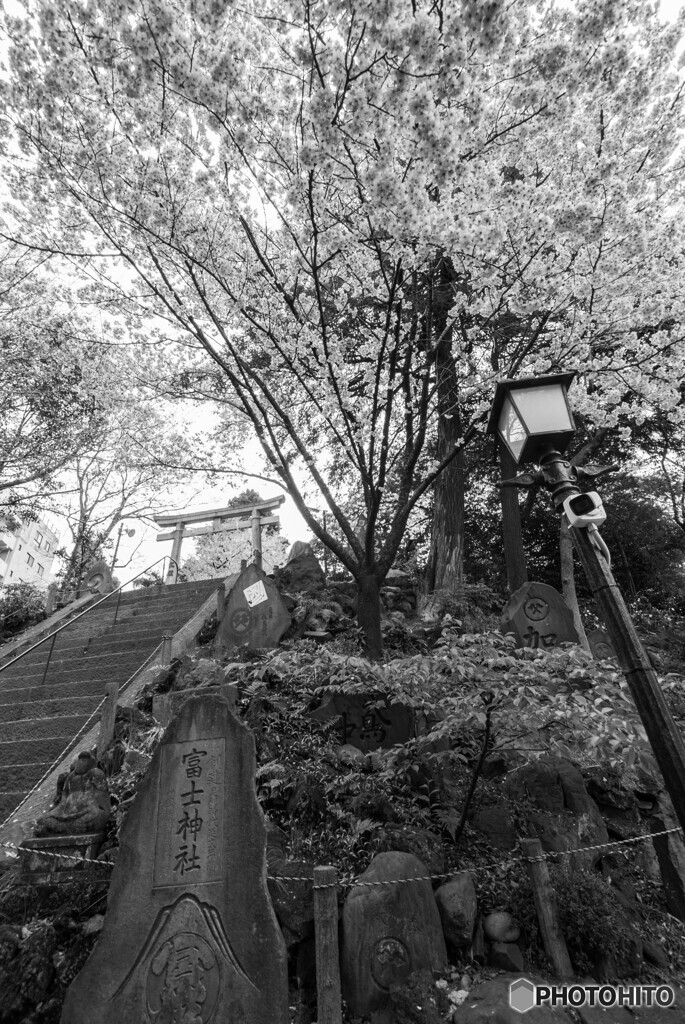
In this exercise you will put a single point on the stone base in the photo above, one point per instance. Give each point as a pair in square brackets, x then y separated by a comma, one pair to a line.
[166, 706]
[47, 860]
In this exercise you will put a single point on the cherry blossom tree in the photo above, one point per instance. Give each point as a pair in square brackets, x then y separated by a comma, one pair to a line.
[347, 208]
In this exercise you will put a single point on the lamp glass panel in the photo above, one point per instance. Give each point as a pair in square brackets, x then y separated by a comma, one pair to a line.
[543, 408]
[511, 429]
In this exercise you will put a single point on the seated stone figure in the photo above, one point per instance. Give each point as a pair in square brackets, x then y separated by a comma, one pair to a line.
[82, 801]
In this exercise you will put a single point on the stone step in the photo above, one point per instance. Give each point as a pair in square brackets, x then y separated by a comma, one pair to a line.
[48, 707]
[31, 750]
[99, 663]
[18, 776]
[91, 687]
[37, 728]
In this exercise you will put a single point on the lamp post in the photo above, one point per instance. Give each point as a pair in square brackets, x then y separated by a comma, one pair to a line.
[533, 419]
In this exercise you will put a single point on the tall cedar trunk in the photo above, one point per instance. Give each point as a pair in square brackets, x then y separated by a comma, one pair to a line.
[445, 567]
[568, 580]
[512, 537]
[369, 615]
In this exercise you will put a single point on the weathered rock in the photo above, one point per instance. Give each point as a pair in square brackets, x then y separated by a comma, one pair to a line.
[137, 760]
[303, 569]
[255, 614]
[458, 907]
[82, 802]
[506, 955]
[166, 705]
[365, 720]
[617, 805]
[495, 823]
[388, 931]
[670, 850]
[488, 1003]
[655, 954]
[539, 617]
[188, 898]
[568, 818]
[500, 926]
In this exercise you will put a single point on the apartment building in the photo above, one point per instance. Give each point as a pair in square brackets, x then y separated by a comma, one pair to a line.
[27, 553]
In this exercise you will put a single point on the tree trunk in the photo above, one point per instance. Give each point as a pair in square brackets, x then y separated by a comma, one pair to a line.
[369, 615]
[512, 537]
[445, 567]
[568, 580]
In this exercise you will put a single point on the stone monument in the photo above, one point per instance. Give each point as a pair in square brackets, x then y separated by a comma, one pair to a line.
[99, 579]
[367, 720]
[539, 617]
[190, 934]
[255, 613]
[600, 644]
[82, 802]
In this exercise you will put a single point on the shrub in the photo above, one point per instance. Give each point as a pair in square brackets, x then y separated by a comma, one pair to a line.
[21, 605]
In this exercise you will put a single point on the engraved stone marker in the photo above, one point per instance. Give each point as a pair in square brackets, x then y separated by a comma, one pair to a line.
[600, 644]
[190, 933]
[539, 617]
[255, 613]
[365, 721]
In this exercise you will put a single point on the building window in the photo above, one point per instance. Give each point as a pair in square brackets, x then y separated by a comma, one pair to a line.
[39, 538]
[47, 546]
[40, 569]
[30, 559]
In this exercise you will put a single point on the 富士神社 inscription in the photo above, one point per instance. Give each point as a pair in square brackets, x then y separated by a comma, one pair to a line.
[189, 814]
[190, 934]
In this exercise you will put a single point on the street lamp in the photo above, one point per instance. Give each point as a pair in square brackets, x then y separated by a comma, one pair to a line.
[533, 419]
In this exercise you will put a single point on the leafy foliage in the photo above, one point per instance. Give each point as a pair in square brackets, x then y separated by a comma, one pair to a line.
[21, 605]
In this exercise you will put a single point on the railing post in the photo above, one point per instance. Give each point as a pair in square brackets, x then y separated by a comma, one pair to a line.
[108, 717]
[166, 648]
[47, 663]
[328, 993]
[116, 610]
[545, 904]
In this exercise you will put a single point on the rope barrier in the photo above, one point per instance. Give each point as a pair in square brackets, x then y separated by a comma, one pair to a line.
[352, 882]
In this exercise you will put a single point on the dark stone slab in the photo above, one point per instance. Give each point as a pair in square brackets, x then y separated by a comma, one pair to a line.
[488, 1003]
[255, 613]
[539, 617]
[190, 933]
[600, 644]
[367, 720]
[302, 571]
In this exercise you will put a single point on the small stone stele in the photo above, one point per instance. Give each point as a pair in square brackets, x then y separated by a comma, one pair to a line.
[600, 644]
[166, 705]
[539, 617]
[190, 934]
[255, 614]
[388, 931]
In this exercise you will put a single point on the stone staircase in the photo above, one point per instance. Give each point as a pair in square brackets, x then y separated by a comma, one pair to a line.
[41, 712]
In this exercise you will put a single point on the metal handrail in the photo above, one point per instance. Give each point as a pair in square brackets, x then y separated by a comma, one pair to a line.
[69, 622]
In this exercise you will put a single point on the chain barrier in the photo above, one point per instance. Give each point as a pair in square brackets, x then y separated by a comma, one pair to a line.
[352, 882]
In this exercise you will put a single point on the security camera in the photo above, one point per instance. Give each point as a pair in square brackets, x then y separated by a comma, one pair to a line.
[585, 509]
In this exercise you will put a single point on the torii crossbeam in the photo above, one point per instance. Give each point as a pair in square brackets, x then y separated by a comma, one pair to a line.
[220, 520]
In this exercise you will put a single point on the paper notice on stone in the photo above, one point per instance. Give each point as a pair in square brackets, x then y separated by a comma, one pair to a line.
[255, 594]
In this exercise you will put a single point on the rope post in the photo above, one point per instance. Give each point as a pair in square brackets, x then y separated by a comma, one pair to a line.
[546, 908]
[166, 648]
[328, 994]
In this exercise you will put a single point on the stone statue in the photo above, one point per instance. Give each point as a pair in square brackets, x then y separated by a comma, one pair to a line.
[82, 801]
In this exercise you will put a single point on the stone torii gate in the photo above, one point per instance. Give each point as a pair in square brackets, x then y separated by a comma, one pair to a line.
[220, 520]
